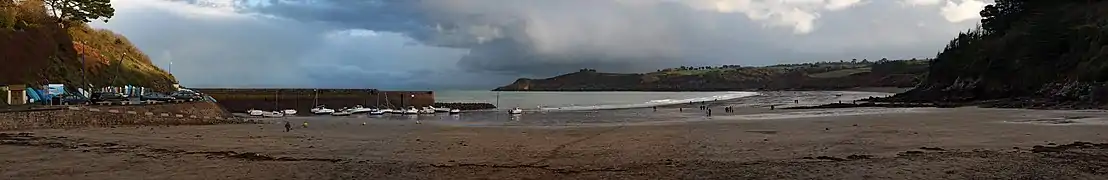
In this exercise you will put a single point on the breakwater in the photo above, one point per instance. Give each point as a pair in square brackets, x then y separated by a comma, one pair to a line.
[240, 100]
[466, 106]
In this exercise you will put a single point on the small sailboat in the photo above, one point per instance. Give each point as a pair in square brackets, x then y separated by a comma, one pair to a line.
[410, 110]
[319, 109]
[378, 112]
[273, 114]
[255, 112]
[322, 110]
[277, 105]
[359, 109]
[427, 110]
[342, 112]
[455, 111]
[515, 111]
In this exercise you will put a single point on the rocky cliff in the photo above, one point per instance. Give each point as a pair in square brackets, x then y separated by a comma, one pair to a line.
[35, 49]
[810, 76]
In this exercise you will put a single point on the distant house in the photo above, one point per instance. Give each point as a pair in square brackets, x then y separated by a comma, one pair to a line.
[14, 94]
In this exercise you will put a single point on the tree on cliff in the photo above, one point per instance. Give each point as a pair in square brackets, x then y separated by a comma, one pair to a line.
[80, 10]
[1024, 48]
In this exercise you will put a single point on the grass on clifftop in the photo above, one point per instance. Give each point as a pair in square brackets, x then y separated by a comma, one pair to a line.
[115, 60]
[840, 73]
[110, 59]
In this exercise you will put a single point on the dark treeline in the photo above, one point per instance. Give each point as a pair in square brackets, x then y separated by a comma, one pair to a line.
[1045, 49]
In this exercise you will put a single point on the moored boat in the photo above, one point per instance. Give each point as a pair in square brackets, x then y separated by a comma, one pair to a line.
[359, 109]
[342, 112]
[322, 110]
[273, 114]
[255, 112]
[410, 110]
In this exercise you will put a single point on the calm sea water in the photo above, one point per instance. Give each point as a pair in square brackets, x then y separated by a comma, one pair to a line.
[552, 101]
[587, 108]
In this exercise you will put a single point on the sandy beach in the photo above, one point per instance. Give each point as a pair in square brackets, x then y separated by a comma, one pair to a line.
[921, 143]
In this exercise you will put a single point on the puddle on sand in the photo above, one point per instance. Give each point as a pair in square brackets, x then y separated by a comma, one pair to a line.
[1064, 120]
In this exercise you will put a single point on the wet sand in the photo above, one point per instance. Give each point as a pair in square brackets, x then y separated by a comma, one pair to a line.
[923, 143]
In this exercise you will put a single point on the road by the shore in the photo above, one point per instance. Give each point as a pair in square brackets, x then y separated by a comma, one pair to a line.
[926, 143]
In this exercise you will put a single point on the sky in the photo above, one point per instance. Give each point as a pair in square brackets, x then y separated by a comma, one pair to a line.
[482, 44]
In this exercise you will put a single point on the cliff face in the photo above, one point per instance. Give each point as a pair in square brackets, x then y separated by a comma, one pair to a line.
[818, 76]
[1037, 51]
[35, 50]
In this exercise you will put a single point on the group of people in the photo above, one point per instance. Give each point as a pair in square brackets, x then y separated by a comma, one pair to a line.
[288, 127]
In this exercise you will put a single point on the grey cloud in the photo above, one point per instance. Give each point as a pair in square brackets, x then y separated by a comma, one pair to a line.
[542, 38]
[231, 53]
[501, 40]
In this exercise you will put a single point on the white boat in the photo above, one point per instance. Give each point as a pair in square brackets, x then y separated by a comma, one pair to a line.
[255, 112]
[515, 111]
[273, 114]
[455, 111]
[410, 110]
[440, 109]
[359, 109]
[378, 112]
[343, 112]
[322, 110]
[427, 110]
[289, 112]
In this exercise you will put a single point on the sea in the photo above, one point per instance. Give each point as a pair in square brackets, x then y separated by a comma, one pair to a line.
[599, 108]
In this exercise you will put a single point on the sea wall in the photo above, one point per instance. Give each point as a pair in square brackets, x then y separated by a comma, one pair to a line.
[240, 100]
[200, 113]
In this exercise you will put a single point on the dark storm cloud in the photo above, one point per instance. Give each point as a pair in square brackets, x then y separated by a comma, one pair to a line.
[542, 38]
[484, 43]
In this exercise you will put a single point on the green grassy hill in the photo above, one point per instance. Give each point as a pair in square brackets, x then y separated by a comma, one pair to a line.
[36, 50]
[808, 76]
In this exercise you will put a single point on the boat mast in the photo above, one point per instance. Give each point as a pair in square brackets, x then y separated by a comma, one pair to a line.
[315, 100]
[387, 100]
[498, 99]
[277, 100]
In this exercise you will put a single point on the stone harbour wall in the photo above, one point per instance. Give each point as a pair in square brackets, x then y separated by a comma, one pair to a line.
[110, 116]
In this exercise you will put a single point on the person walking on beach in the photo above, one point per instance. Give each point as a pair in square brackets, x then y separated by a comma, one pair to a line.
[288, 127]
[655, 108]
[709, 112]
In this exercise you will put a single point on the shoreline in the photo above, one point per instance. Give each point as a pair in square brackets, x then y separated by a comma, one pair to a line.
[858, 89]
[952, 143]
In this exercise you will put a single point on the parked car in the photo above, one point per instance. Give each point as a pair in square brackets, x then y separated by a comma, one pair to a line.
[70, 99]
[154, 96]
[110, 97]
[186, 96]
